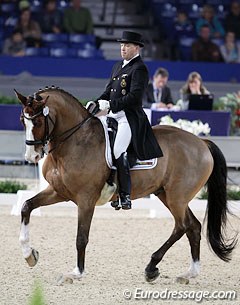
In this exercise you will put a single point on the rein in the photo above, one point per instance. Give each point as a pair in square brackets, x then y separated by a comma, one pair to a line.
[71, 130]
[49, 137]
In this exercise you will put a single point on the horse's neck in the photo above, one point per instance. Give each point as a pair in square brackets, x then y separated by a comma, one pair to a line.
[68, 115]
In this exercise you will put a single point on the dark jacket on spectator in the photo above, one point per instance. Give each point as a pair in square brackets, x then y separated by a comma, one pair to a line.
[148, 99]
[49, 20]
[232, 24]
[206, 51]
[78, 21]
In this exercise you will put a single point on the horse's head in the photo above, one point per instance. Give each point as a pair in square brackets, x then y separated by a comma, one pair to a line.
[35, 118]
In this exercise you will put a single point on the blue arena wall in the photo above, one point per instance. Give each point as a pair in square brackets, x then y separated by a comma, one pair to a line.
[98, 68]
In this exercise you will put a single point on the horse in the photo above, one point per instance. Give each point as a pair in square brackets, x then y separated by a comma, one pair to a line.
[76, 169]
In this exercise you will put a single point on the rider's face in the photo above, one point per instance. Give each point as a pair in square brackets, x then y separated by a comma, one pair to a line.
[129, 50]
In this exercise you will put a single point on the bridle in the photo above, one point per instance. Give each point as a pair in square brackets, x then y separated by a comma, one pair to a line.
[46, 136]
[49, 137]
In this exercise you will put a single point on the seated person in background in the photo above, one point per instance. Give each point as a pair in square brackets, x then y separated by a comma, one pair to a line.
[51, 18]
[30, 28]
[232, 21]
[208, 18]
[158, 94]
[203, 49]
[230, 50]
[193, 85]
[182, 28]
[23, 4]
[15, 45]
[78, 19]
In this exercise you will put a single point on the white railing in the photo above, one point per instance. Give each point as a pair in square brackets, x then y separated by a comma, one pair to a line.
[12, 145]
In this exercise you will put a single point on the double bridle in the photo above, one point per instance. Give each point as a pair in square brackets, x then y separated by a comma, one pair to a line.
[49, 137]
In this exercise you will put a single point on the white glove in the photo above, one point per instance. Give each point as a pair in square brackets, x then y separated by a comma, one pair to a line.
[103, 104]
[89, 104]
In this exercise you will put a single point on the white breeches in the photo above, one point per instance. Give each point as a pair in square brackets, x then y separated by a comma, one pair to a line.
[123, 138]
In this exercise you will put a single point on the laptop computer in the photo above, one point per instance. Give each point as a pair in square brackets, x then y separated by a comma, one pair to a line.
[200, 102]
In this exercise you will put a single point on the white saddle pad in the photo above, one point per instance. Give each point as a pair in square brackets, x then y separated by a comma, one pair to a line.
[146, 164]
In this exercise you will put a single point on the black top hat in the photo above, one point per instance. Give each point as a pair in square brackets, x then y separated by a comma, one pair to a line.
[132, 37]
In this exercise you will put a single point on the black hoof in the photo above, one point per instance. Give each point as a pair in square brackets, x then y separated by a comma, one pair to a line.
[127, 206]
[115, 205]
[151, 276]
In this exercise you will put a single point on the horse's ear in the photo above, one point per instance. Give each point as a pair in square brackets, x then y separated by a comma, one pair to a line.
[44, 101]
[21, 97]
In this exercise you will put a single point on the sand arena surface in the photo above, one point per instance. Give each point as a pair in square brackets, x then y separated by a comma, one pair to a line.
[119, 248]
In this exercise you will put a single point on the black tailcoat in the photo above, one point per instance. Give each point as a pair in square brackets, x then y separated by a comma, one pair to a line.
[125, 92]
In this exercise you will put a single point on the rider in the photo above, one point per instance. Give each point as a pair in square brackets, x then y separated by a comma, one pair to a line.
[123, 98]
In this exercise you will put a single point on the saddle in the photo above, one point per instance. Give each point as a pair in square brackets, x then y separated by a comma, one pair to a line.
[110, 132]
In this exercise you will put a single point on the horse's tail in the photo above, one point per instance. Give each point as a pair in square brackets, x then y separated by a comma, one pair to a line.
[216, 213]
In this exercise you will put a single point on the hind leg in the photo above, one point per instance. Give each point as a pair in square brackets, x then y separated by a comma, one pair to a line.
[178, 212]
[194, 236]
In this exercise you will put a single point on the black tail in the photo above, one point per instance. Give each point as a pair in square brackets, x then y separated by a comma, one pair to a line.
[216, 213]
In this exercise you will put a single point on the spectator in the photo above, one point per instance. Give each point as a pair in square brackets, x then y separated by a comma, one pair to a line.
[209, 18]
[182, 28]
[23, 4]
[15, 45]
[78, 19]
[30, 28]
[193, 85]
[232, 22]
[203, 49]
[158, 94]
[51, 18]
[230, 50]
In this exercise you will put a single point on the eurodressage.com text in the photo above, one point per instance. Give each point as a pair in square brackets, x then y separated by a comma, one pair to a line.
[197, 296]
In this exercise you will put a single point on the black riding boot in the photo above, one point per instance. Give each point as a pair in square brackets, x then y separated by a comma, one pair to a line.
[124, 183]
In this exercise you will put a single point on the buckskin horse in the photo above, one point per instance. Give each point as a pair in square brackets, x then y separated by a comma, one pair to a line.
[76, 170]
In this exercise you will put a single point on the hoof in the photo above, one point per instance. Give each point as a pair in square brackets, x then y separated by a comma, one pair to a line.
[64, 279]
[152, 276]
[68, 278]
[182, 280]
[115, 204]
[33, 258]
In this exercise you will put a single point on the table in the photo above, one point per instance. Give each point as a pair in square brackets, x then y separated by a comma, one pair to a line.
[219, 121]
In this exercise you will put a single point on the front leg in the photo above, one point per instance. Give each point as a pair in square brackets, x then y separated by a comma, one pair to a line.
[46, 197]
[84, 222]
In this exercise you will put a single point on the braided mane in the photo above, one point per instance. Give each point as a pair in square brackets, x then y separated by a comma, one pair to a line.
[58, 90]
